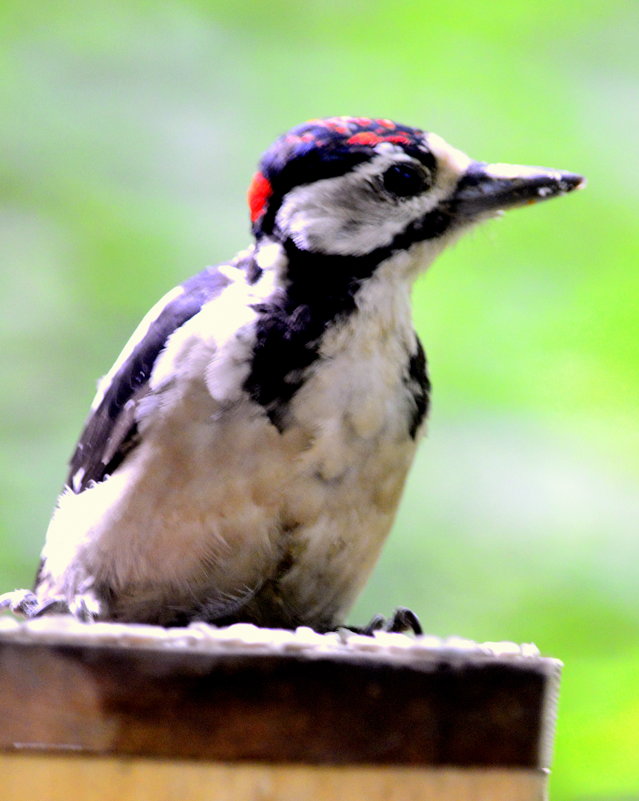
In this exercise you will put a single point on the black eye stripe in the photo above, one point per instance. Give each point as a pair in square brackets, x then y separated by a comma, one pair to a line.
[406, 180]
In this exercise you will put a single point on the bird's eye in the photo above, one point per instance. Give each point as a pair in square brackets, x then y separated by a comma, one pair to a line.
[405, 180]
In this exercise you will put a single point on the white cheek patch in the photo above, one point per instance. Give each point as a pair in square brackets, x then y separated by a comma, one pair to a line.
[346, 215]
[350, 215]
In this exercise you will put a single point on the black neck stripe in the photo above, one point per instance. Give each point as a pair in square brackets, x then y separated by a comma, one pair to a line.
[320, 290]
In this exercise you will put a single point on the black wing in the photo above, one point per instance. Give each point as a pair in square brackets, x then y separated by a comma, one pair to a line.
[111, 430]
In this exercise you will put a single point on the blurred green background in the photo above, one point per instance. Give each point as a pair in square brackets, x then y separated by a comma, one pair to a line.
[128, 134]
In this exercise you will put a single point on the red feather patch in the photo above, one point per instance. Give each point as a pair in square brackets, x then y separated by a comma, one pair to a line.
[371, 138]
[259, 192]
[364, 138]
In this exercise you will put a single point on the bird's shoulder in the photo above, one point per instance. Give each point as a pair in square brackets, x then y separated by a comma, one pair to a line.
[110, 431]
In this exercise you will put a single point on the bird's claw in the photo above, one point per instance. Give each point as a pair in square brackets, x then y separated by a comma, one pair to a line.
[20, 602]
[402, 620]
[27, 604]
[85, 608]
[51, 606]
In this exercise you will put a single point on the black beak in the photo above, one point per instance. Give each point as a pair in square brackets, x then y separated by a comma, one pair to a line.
[487, 189]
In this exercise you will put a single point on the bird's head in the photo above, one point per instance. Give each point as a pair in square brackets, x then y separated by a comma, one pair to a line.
[355, 187]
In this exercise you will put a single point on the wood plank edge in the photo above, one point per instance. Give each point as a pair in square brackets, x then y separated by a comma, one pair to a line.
[58, 777]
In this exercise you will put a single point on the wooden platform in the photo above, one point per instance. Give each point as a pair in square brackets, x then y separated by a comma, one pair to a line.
[241, 714]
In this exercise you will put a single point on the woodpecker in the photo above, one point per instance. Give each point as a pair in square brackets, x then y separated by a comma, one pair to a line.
[244, 458]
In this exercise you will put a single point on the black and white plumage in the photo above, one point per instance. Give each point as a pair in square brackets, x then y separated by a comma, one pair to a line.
[245, 456]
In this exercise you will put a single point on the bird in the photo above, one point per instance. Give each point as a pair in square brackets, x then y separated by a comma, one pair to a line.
[244, 458]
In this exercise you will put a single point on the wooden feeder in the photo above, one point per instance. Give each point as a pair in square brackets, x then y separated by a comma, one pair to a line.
[142, 713]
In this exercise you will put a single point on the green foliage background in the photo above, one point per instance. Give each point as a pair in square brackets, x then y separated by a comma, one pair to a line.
[128, 133]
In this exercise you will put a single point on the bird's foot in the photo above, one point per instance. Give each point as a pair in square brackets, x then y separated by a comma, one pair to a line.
[84, 607]
[20, 602]
[402, 620]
